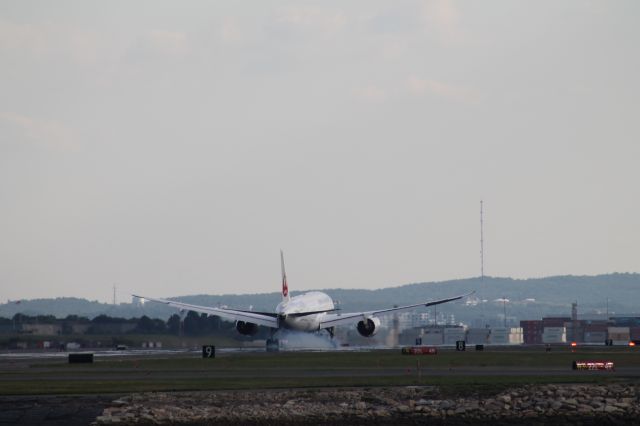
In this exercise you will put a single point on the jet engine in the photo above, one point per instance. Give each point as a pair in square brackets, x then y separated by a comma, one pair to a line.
[246, 328]
[368, 327]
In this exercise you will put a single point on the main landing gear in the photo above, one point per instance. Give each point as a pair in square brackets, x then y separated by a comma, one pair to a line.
[273, 344]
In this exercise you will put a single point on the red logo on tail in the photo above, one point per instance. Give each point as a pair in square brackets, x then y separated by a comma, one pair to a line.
[285, 287]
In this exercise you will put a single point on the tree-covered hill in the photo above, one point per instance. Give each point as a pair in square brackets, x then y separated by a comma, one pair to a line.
[527, 298]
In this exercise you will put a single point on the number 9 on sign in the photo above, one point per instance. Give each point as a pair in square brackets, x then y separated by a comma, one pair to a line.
[208, 351]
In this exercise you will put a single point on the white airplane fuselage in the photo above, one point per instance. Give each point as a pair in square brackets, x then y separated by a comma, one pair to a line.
[312, 301]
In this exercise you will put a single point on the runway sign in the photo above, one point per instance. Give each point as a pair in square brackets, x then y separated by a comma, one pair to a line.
[593, 365]
[419, 350]
[208, 351]
[479, 347]
[461, 345]
[80, 358]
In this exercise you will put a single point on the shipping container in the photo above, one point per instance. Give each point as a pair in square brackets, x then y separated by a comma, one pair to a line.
[554, 335]
[595, 336]
[555, 321]
[619, 335]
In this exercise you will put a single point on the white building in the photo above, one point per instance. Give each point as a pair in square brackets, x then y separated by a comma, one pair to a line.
[453, 334]
[406, 320]
[432, 336]
[478, 336]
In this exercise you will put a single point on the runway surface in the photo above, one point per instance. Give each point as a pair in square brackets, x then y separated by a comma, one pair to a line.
[108, 353]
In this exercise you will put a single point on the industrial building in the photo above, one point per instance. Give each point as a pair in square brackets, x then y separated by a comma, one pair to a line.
[450, 334]
[620, 330]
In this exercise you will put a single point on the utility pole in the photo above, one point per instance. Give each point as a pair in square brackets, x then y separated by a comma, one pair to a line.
[114, 294]
[396, 327]
[504, 306]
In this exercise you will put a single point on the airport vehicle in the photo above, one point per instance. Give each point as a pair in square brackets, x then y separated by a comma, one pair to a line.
[309, 312]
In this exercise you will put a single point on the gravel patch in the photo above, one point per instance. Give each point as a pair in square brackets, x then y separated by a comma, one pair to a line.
[540, 404]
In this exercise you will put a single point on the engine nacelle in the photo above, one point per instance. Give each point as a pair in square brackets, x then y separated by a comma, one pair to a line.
[246, 328]
[368, 327]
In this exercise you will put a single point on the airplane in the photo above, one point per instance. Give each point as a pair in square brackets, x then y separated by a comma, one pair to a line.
[309, 312]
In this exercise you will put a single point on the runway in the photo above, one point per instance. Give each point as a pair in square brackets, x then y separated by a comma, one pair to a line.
[109, 353]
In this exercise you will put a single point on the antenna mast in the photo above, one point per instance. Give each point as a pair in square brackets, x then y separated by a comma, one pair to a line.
[481, 265]
[481, 244]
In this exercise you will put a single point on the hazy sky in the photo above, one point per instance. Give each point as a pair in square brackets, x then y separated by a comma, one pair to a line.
[174, 148]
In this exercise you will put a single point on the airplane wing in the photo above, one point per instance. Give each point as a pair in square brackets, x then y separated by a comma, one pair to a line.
[260, 318]
[331, 320]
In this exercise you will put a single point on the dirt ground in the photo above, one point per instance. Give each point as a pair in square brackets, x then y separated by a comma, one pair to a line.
[68, 410]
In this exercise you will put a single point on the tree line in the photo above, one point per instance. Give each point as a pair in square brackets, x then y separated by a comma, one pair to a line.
[193, 324]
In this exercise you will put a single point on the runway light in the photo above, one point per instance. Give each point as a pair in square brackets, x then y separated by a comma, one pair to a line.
[574, 344]
[632, 343]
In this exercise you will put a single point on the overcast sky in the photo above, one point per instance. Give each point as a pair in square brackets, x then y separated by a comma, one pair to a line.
[174, 148]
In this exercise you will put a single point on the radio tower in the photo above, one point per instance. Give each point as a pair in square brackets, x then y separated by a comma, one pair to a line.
[481, 265]
[481, 246]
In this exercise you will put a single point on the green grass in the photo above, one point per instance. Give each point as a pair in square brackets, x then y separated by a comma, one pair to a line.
[452, 384]
[304, 369]
[356, 360]
[342, 360]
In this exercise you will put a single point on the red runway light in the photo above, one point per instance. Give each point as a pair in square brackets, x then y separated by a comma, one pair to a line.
[632, 343]
[574, 344]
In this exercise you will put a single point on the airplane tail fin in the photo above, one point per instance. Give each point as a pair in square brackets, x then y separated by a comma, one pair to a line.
[285, 286]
